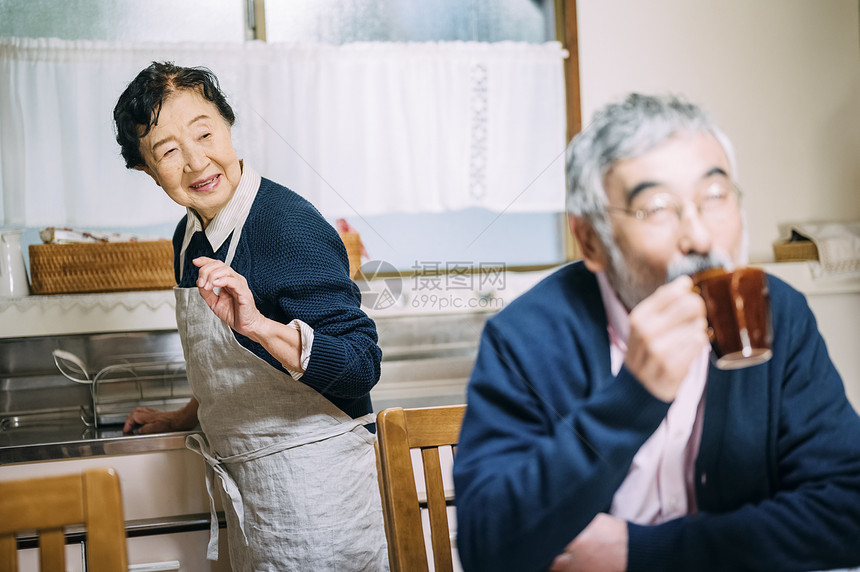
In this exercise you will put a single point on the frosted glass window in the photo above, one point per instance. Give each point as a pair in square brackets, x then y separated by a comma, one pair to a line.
[127, 20]
[344, 21]
[474, 236]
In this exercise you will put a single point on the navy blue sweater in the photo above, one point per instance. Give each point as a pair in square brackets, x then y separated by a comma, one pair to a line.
[549, 435]
[296, 266]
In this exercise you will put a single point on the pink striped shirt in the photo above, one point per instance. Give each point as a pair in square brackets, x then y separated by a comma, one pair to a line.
[659, 485]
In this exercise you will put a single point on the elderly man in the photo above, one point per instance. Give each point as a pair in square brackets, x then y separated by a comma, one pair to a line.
[599, 435]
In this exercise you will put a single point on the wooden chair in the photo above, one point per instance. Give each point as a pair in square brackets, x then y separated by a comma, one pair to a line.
[48, 504]
[427, 429]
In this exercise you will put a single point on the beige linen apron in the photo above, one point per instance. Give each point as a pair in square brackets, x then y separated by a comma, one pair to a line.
[298, 475]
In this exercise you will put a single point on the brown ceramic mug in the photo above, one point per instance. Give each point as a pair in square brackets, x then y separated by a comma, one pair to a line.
[738, 308]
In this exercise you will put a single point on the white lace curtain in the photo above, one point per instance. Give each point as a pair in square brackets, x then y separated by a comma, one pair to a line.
[357, 129]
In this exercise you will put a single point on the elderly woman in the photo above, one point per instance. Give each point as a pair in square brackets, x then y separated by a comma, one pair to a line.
[280, 357]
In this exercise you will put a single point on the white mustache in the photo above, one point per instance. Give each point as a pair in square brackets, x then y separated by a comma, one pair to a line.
[692, 263]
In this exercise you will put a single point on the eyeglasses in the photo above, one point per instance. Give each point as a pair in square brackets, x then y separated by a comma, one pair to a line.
[717, 201]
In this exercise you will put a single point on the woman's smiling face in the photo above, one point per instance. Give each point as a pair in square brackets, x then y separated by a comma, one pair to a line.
[189, 153]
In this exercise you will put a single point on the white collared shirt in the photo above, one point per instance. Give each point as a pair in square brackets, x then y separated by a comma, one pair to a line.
[222, 226]
[660, 483]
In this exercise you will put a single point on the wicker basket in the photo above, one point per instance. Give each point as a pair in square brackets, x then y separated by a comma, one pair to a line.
[352, 241]
[101, 267]
[795, 250]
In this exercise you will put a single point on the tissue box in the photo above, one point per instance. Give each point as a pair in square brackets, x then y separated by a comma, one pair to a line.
[794, 250]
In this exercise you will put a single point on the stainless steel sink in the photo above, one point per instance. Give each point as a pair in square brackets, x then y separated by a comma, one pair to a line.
[56, 418]
[45, 427]
[426, 361]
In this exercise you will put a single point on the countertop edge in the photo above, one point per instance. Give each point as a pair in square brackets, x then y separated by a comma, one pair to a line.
[125, 445]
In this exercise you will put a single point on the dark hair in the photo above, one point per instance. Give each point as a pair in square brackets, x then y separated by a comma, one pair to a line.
[139, 105]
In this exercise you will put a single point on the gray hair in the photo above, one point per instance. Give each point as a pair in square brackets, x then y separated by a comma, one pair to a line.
[624, 130]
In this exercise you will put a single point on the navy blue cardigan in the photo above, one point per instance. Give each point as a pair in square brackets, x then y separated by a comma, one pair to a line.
[549, 435]
[296, 266]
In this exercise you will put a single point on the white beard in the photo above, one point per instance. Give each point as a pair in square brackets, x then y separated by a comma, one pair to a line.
[632, 284]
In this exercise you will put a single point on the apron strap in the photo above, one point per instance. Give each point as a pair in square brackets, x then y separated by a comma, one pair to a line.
[217, 465]
[283, 445]
[197, 444]
[186, 240]
[234, 241]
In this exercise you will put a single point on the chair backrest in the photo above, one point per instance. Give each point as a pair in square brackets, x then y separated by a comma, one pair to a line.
[399, 431]
[48, 504]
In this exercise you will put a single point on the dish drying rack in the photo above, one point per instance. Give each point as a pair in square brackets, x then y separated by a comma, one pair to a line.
[154, 380]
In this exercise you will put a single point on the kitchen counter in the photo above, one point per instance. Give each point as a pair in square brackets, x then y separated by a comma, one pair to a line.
[67, 440]
[76, 313]
[390, 298]
[429, 339]
[45, 416]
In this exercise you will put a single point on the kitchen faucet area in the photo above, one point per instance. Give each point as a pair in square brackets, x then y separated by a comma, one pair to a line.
[426, 361]
[72, 367]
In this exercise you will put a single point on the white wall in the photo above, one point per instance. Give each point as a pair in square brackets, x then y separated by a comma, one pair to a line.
[782, 77]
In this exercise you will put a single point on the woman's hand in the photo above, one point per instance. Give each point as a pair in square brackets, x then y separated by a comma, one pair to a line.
[145, 420]
[227, 293]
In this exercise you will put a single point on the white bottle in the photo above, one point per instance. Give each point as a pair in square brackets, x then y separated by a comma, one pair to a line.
[13, 274]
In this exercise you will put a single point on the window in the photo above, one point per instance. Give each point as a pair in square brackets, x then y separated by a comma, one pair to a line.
[125, 20]
[344, 21]
[472, 235]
